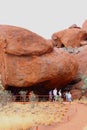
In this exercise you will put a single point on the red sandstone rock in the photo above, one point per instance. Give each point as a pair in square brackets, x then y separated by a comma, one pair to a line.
[29, 59]
[84, 25]
[57, 67]
[74, 26]
[76, 94]
[73, 37]
[82, 60]
[19, 41]
[85, 94]
[82, 70]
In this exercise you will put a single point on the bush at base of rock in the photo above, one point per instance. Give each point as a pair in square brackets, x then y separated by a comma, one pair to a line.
[5, 97]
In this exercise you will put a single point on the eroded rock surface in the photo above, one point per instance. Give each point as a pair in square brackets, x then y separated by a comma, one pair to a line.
[71, 37]
[19, 41]
[82, 62]
[29, 59]
[76, 93]
[82, 71]
[84, 25]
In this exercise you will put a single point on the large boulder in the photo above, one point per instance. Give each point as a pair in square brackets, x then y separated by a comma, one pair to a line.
[71, 37]
[19, 41]
[29, 60]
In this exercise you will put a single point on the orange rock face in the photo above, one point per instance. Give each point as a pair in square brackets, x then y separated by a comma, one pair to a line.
[81, 58]
[82, 62]
[31, 70]
[84, 26]
[76, 93]
[73, 37]
[82, 70]
[19, 41]
[29, 59]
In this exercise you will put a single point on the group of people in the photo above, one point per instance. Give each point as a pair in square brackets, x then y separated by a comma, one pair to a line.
[68, 96]
[55, 95]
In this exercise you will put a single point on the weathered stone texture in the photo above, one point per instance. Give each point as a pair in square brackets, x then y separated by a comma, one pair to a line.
[26, 71]
[82, 62]
[72, 37]
[19, 41]
[29, 59]
[76, 94]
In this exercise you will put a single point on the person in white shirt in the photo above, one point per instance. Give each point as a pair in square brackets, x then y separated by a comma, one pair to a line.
[55, 94]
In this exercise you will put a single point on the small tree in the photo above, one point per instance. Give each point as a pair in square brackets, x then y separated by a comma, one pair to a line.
[5, 97]
[33, 98]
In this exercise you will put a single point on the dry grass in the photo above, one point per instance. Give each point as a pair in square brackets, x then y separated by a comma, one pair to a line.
[17, 116]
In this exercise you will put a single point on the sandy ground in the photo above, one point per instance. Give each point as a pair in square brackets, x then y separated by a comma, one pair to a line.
[18, 116]
[45, 115]
[78, 120]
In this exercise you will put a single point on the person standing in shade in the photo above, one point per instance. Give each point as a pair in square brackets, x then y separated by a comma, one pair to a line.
[69, 97]
[66, 96]
[59, 93]
[50, 95]
[55, 94]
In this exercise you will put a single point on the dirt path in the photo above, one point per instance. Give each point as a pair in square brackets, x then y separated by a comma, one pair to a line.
[77, 122]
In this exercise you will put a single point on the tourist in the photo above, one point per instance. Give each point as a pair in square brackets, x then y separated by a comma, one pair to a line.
[59, 93]
[68, 97]
[55, 94]
[50, 95]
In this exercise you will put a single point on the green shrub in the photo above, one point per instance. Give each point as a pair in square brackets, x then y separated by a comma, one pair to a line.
[23, 95]
[33, 99]
[5, 97]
